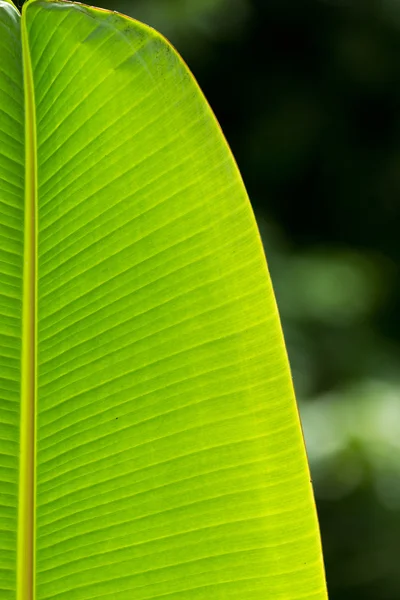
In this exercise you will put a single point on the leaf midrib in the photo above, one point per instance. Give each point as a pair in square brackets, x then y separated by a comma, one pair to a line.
[26, 504]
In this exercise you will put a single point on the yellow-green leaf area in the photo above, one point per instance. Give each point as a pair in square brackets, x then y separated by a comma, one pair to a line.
[167, 451]
[11, 249]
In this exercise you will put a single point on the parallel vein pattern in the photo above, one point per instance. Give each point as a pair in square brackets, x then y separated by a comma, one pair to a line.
[11, 249]
[170, 457]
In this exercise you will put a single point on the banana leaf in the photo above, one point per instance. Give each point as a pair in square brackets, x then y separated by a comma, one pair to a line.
[150, 444]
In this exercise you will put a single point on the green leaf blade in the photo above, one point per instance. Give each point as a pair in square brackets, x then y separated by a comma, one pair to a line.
[11, 249]
[170, 461]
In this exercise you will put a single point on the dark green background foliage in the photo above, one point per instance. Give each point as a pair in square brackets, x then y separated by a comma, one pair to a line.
[308, 95]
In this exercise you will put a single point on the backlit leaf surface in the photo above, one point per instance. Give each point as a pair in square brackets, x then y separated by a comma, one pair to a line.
[169, 455]
[11, 250]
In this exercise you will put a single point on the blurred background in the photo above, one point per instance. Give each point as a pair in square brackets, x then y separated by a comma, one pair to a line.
[308, 95]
